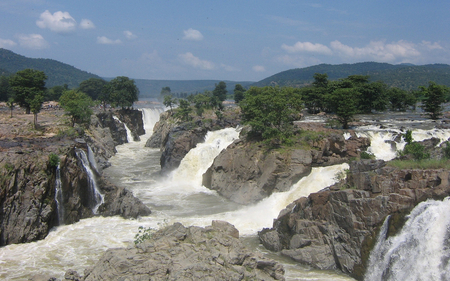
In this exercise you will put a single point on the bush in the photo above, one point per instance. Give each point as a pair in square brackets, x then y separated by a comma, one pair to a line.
[366, 155]
[143, 234]
[416, 150]
[53, 160]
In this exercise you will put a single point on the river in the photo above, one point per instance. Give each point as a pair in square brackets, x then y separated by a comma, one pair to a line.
[178, 197]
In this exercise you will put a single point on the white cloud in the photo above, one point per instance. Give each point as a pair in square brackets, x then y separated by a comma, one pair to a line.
[59, 22]
[6, 43]
[87, 24]
[32, 41]
[377, 50]
[259, 68]
[229, 68]
[190, 59]
[107, 41]
[129, 35]
[192, 34]
[307, 47]
[432, 46]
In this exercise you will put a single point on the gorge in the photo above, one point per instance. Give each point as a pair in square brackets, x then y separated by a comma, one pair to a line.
[179, 196]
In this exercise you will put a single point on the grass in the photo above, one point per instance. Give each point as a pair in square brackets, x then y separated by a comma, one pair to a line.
[421, 164]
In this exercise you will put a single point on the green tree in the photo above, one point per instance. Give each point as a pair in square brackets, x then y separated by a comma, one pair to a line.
[121, 91]
[6, 91]
[29, 88]
[55, 92]
[400, 99]
[220, 91]
[372, 96]
[434, 97]
[77, 105]
[93, 87]
[169, 101]
[10, 104]
[270, 111]
[183, 110]
[238, 93]
[344, 103]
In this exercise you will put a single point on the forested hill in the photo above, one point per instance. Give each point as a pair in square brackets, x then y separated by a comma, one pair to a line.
[405, 76]
[58, 73]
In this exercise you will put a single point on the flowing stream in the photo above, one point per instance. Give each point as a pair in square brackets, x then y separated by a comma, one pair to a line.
[179, 197]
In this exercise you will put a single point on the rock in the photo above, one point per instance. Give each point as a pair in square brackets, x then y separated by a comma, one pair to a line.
[337, 229]
[246, 174]
[186, 253]
[133, 119]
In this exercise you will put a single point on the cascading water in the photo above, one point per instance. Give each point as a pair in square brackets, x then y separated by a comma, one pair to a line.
[421, 251]
[94, 194]
[59, 196]
[92, 160]
[180, 198]
[129, 135]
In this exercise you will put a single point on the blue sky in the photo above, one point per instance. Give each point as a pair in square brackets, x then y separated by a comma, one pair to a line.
[224, 40]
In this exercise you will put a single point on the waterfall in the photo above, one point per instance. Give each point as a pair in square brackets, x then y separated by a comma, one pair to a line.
[129, 135]
[385, 143]
[59, 196]
[421, 251]
[94, 193]
[149, 117]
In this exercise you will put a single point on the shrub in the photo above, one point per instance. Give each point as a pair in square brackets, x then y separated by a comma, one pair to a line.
[417, 151]
[143, 234]
[366, 155]
[53, 160]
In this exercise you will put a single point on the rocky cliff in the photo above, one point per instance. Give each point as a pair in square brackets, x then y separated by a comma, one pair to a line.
[176, 139]
[185, 253]
[337, 228]
[246, 172]
[28, 208]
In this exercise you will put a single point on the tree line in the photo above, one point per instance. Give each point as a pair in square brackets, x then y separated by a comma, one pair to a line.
[26, 88]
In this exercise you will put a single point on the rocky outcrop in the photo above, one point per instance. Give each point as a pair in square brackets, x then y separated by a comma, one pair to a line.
[185, 253]
[182, 138]
[245, 173]
[161, 130]
[28, 208]
[337, 228]
[133, 119]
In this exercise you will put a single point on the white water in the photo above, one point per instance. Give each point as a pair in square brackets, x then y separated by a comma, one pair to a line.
[95, 194]
[92, 160]
[421, 251]
[59, 196]
[129, 135]
[177, 198]
[386, 143]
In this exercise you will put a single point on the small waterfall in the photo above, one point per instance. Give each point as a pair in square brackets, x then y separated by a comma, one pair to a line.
[200, 158]
[421, 251]
[59, 196]
[129, 135]
[149, 117]
[95, 195]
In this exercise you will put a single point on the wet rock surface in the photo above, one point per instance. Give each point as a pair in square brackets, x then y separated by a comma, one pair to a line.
[185, 253]
[337, 228]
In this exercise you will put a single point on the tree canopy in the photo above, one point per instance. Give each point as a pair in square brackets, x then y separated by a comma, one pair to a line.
[121, 91]
[29, 88]
[77, 105]
[434, 97]
[93, 87]
[270, 111]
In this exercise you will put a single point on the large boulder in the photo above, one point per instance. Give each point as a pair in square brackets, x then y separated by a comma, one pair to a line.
[337, 228]
[185, 253]
[247, 173]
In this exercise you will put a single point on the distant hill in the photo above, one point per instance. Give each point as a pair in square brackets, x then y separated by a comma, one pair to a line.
[152, 88]
[405, 76]
[58, 73]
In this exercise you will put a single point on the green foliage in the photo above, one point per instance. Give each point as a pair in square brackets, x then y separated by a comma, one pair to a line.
[54, 93]
[184, 110]
[77, 105]
[6, 91]
[9, 167]
[53, 160]
[238, 93]
[29, 87]
[93, 87]
[434, 97]
[343, 101]
[366, 155]
[143, 234]
[446, 150]
[270, 111]
[421, 164]
[416, 150]
[121, 91]
[169, 101]
[400, 99]
[408, 137]
[220, 91]
[10, 104]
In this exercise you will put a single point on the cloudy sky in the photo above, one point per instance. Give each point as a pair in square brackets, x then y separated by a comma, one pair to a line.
[225, 40]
